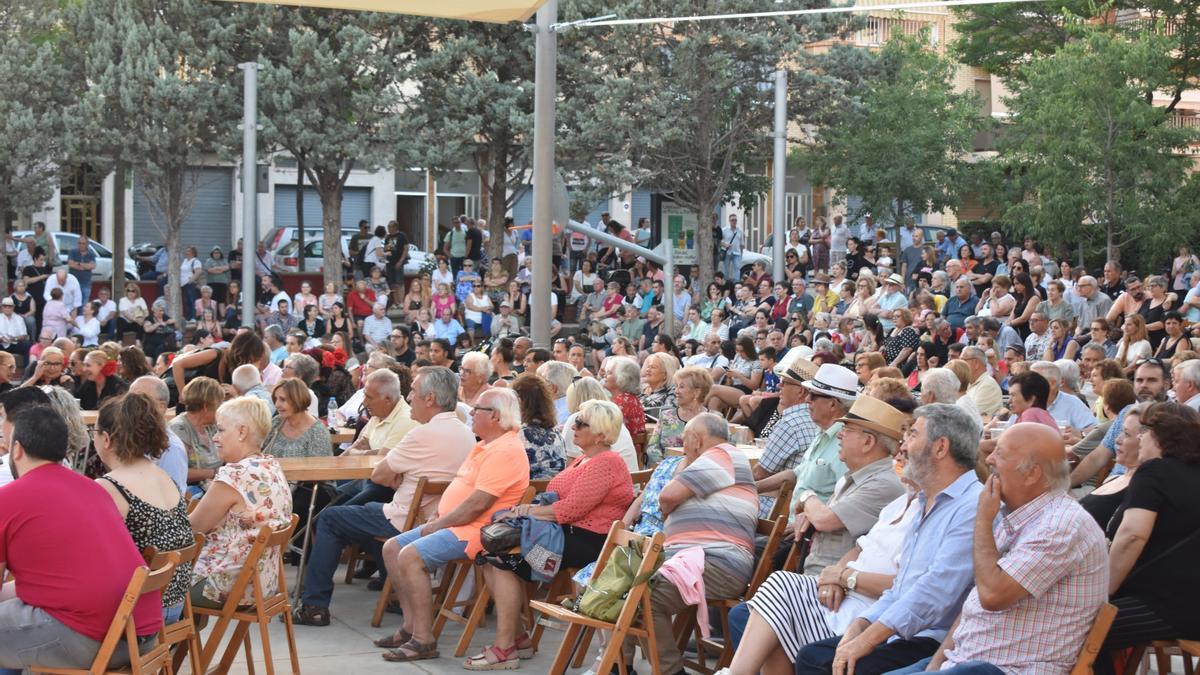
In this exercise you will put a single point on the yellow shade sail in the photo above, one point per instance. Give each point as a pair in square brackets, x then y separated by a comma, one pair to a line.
[491, 11]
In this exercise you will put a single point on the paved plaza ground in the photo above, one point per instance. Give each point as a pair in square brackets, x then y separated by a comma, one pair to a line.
[344, 647]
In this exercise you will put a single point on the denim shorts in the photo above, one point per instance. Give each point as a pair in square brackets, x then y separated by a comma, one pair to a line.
[437, 549]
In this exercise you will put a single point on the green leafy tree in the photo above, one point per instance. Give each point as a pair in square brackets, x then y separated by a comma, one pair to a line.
[688, 108]
[1086, 157]
[330, 94]
[31, 123]
[160, 98]
[904, 149]
[476, 101]
[1002, 38]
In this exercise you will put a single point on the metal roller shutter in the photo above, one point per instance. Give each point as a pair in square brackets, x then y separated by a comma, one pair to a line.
[356, 206]
[210, 222]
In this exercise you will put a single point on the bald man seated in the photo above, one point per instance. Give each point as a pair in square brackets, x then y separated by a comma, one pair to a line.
[1033, 604]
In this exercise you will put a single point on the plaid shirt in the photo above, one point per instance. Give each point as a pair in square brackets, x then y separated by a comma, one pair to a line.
[1057, 553]
[789, 440]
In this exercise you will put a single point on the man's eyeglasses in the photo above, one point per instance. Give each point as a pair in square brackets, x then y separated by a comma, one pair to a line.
[1152, 360]
[53, 364]
[476, 409]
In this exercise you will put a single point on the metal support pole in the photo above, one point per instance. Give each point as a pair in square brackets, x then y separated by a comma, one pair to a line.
[780, 174]
[249, 188]
[544, 91]
[669, 287]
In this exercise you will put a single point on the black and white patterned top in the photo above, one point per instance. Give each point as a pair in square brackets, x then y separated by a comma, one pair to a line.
[164, 529]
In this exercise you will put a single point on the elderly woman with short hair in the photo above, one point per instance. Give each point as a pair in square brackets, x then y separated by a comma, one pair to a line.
[593, 491]
[657, 371]
[544, 445]
[249, 491]
[201, 398]
[294, 432]
[623, 382]
[580, 392]
[692, 385]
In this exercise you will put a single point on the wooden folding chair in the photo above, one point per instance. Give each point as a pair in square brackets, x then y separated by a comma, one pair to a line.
[474, 607]
[425, 488]
[640, 479]
[123, 627]
[783, 499]
[773, 530]
[639, 448]
[265, 607]
[634, 620]
[183, 632]
[1095, 638]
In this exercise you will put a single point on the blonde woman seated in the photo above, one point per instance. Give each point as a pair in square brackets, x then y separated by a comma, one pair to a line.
[580, 392]
[249, 491]
[593, 491]
[692, 385]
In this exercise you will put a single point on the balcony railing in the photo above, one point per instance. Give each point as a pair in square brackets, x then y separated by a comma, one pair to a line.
[880, 29]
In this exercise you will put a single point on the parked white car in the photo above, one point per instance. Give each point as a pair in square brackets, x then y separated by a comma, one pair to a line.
[69, 241]
[286, 258]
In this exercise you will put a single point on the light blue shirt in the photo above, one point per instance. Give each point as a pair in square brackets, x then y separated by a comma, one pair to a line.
[1193, 313]
[560, 410]
[449, 331]
[891, 302]
[174, 461]
[1068, 408]
[935, 565]
[1111, 436]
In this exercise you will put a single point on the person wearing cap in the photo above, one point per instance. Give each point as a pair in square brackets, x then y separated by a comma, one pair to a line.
[825, 299]
[505, 324]
[792, 434]
[831, 390]
[871, 432]
[14, 338]
[890, 300]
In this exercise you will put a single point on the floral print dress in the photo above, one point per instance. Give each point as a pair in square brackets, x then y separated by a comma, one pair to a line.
[267, 501]
[546, 451]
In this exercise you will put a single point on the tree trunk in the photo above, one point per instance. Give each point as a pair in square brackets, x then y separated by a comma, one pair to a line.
[498, 196]
[118, 268]
[173, 215]
[300, 211]
[706, 219]
[329, 187]
[5, 226]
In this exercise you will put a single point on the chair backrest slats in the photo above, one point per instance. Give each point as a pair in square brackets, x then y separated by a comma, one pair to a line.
[123, 626]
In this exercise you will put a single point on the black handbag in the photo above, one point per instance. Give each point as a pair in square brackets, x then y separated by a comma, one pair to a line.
[501, 536]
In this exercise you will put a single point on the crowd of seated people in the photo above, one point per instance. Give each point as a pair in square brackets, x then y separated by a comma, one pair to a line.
[983, 445]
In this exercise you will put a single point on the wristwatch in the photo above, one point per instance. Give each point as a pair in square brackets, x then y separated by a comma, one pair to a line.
[805, 496]
[852, 580]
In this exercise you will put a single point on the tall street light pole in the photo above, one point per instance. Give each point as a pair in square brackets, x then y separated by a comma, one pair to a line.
[544, 92]
[249, 188]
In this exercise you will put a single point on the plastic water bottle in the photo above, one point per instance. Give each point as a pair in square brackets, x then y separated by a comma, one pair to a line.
[332, 414]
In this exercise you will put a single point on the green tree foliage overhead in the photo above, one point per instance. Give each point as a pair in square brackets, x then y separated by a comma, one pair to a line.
[476, 102]
[160, 95]
[1086, 157]
[329, 92]
[33, 77]
[688, 108]
[904, 149]
[1002, 38]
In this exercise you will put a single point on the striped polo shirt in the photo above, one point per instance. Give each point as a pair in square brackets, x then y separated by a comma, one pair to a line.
[723, 513]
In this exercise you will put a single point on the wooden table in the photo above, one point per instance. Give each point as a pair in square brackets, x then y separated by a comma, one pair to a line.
[342, 435]
[320, 469]
[90, 416]
[316, 469]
